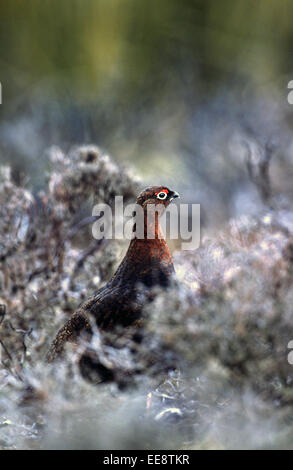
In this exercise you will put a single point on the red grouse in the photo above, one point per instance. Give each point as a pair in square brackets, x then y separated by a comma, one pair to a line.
[147, 262]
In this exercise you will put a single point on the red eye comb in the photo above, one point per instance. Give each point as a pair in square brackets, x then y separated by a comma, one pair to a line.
[162, 191]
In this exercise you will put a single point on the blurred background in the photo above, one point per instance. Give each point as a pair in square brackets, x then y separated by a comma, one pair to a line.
[170, 88]
[191, 94]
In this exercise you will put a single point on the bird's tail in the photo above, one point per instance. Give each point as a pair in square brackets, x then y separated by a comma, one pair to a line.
[67, 333]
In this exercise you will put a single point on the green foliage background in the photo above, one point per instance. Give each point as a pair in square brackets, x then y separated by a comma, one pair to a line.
[182, 91]
[161, 85]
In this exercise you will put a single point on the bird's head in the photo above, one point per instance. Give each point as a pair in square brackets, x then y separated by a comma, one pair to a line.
[158, 195]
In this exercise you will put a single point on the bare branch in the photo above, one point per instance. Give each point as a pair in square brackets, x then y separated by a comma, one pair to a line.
[258, 160]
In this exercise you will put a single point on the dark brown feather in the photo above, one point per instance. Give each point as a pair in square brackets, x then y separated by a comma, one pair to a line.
[147, 262]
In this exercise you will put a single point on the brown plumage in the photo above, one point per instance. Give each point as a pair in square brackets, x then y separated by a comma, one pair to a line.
[147, 262]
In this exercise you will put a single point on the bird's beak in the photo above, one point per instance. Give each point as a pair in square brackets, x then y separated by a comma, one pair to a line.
[175, 195]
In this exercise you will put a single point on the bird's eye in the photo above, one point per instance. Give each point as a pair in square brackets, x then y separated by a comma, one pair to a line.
[162, 195]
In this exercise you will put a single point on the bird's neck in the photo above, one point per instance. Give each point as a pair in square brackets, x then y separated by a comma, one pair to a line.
[148, 259]
[150, 244]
